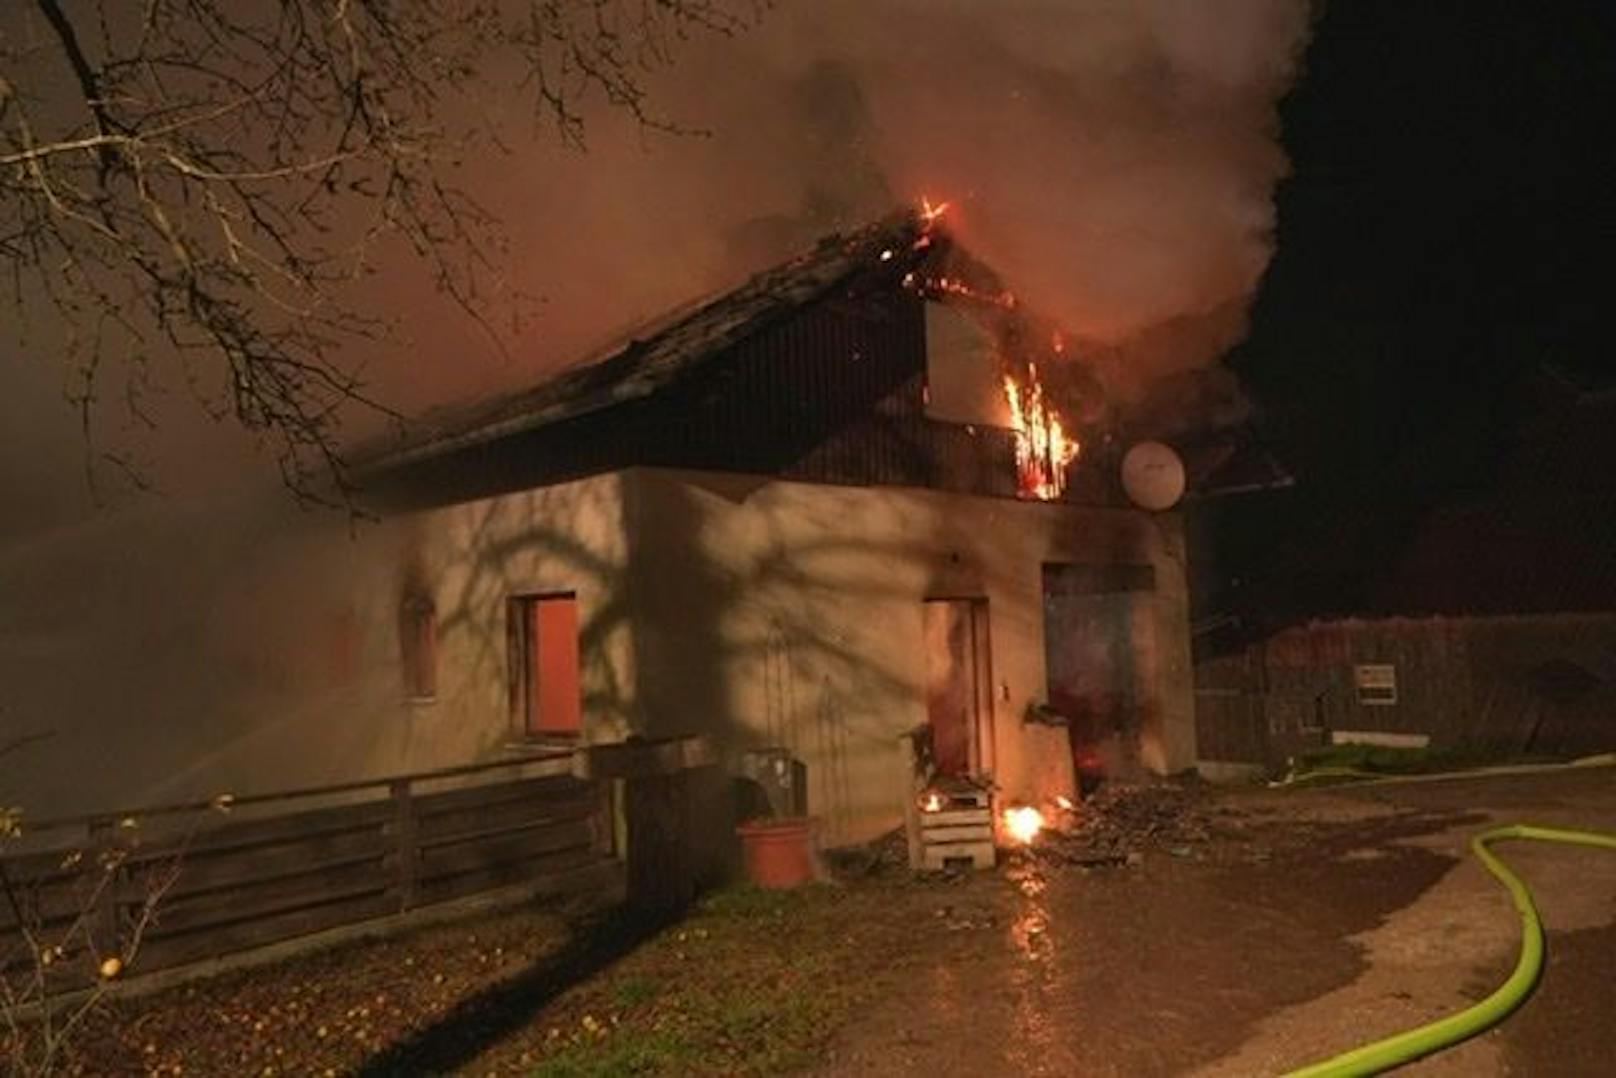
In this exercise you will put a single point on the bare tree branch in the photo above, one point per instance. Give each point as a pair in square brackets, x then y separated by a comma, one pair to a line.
[217, 184]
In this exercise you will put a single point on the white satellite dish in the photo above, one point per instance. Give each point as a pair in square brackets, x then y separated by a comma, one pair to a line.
[1153, 476]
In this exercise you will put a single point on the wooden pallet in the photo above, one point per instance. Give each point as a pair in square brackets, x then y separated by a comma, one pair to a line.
[956, 835]
[962, 832]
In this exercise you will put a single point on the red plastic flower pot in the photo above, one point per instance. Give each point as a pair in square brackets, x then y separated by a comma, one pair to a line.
[779, 852]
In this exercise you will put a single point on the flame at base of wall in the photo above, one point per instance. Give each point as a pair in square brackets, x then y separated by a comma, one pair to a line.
[1023, 823]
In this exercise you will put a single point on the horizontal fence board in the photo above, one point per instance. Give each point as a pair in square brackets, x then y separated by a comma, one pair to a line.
[221, 868]
[293, 827]
[48, 866]
[75, 971]
[488, 834]
[509, 847]
[460, 885]
[508, 815]
[57, 931]
[65, 896]
[218, 941]
[237, 884]
[544, 788]
[263, 899]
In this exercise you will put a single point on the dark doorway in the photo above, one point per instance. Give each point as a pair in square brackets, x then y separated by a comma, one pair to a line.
[958, 685]
[1091, 648]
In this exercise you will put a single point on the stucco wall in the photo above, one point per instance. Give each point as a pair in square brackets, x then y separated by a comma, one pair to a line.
[790, 613]
[240, 645]
[245, 647]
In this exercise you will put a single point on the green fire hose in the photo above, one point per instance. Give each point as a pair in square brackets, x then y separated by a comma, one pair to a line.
[1420, 1041]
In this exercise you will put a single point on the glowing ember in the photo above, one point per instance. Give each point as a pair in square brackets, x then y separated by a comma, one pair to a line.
[1064, 802]
[929, 213]
[932, 802]
[1023, 823]
[953, 286]
[1043, 448]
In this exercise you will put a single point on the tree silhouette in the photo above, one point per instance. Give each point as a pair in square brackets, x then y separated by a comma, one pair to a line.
[209, 181]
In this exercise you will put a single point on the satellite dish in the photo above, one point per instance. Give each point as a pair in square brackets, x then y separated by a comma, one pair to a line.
[1153, 476]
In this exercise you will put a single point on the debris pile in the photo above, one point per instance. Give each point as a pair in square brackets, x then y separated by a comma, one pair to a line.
[1120, 822]
[886, 853]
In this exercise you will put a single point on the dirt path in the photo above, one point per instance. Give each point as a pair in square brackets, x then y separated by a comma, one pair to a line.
[1357, 914]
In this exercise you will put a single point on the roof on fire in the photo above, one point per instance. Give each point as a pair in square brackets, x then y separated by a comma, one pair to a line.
[664, 350]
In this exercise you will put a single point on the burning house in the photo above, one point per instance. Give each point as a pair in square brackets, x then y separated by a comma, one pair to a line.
[862, 494]
[835, 505]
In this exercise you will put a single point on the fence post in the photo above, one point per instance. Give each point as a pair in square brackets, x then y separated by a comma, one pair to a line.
[608, 812]
[405, 840]
[102, 854]
[661, 876]
[674, 817]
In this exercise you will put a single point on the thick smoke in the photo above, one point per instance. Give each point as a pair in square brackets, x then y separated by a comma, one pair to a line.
[1115, 162]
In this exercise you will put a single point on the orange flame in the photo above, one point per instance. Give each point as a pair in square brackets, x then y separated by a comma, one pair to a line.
[1023, 823]
[1043, 448]
[929, 213]
[932, 802]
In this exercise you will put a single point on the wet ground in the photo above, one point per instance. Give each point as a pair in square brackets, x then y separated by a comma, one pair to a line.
[1249, 934]
[1307, 924]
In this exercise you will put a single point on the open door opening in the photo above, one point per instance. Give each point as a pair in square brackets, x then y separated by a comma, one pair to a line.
[1094, 634]
[959, 702]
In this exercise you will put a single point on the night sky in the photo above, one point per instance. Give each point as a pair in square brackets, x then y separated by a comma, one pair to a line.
[1444, 239]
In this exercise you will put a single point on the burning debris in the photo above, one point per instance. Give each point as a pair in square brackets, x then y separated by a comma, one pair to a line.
[1121, 822]
[1023, 823]
[954, 826]
[929, 214]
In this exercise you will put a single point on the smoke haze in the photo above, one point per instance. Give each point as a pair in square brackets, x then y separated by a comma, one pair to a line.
[1116, 162]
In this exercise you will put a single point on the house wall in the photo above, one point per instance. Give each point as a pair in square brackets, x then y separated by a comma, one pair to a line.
[242, 646]
[187, 651]
[773, 612]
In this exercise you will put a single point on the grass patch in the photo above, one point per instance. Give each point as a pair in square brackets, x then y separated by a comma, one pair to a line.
[751, 982]
[634, 1052]
[1395, 760]
[634, 991]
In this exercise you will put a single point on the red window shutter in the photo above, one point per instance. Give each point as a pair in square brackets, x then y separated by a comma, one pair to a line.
[557, 700]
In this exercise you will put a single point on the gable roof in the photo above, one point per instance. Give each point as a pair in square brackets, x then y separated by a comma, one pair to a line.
[685, 350]
[663, 351]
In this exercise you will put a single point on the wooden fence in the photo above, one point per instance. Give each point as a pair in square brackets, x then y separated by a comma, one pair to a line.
[206, 880]
[1516, 685]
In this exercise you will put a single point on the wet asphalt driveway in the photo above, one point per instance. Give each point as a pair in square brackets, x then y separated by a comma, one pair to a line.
[1317, 921]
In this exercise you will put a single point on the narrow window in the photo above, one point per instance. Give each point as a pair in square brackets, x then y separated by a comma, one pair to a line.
[418, 642]
[542, 631]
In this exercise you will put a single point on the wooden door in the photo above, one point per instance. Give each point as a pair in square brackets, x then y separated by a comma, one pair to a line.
[956, 683]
